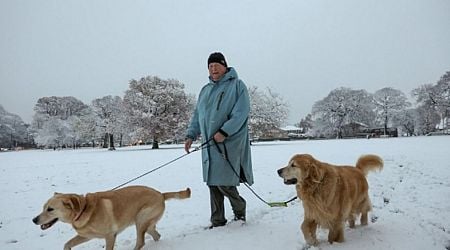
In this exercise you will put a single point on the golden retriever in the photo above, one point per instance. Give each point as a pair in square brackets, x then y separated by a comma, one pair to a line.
[105, 214]
[331, 195]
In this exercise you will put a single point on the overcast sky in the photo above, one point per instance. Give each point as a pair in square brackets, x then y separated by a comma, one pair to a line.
[301, 49]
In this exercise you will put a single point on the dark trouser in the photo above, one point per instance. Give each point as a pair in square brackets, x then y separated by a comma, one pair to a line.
[216, 195]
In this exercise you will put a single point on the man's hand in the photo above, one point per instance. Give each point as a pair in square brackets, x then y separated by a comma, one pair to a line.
[187, 145]
[219, 137]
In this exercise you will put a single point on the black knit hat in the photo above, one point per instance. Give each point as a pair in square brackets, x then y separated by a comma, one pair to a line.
[217, 57]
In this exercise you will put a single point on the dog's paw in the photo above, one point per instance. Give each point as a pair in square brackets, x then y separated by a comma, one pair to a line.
[306, 246]
[310, 244]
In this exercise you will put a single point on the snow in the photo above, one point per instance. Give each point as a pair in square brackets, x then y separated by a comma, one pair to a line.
[411, 196]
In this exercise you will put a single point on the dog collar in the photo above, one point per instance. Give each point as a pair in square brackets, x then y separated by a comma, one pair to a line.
[81, 212]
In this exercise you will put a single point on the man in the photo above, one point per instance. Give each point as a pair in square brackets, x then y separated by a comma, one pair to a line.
[222, 113]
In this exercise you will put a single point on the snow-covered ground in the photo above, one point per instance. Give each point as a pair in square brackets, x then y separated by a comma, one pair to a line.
[411, 196]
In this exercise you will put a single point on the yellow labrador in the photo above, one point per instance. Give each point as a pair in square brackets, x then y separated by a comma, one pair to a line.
[105, 214]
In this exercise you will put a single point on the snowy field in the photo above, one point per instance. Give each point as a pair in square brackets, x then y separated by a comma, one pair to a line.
[411, 196]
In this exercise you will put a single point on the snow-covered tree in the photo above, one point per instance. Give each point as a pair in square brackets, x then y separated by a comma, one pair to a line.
[388, 103]
[268, 111]
[443, 100]
[13, 131]
[435, 98]
[407, 120]
[51, 133]
[55, 118]
[342, 106]
[426, 119]
[111, 114]
[85, 127]
[158, 109]
[61, 107]
[306, 123]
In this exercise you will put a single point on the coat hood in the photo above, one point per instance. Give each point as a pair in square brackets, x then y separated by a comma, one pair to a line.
[229, 75]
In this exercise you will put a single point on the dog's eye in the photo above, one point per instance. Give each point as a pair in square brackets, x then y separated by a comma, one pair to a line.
[50, 209]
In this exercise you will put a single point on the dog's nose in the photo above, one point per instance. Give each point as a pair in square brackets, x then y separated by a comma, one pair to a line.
[35, 220]
[280, 171]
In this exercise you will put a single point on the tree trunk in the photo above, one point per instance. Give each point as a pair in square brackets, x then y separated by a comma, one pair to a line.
[155, 144]
[105, 140]
[111, 142]
[385, 124]
[339, 135]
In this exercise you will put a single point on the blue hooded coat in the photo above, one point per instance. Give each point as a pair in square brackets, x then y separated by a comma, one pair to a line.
[224, 105]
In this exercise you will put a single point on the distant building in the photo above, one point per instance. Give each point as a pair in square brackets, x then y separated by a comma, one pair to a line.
[361, 130]
[379, 132]
[354, 129]
[293, 131]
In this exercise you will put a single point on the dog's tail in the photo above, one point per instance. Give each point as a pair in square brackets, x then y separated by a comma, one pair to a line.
[367, 163]
[184, 194]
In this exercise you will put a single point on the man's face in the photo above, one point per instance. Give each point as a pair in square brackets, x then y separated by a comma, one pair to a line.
[216, 71]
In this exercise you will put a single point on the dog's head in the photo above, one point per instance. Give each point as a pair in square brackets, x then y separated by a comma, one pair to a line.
[63, 207]
[301, 167]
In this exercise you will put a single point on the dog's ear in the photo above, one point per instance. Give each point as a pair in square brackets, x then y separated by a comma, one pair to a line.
[80, 203]
[316, 172]
[68, 203]
[313, 173]
[76, 203]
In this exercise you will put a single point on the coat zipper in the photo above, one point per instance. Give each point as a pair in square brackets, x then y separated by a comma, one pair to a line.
[220, 100]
